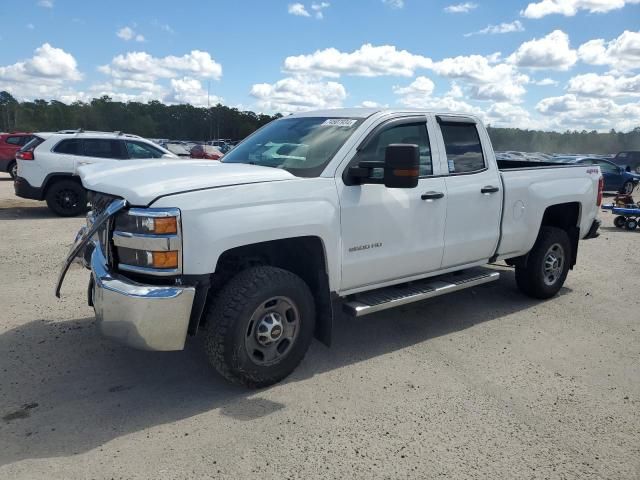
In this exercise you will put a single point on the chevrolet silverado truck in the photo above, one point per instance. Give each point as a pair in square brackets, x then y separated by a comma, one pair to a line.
[340, 211]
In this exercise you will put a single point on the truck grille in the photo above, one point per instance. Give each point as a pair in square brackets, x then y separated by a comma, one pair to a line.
[99, 203]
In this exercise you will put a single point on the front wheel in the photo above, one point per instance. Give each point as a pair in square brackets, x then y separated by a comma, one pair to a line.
[67, 198]
[260, 326]
[547, 266]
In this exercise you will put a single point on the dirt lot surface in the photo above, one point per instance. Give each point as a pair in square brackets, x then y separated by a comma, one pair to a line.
[484, 383]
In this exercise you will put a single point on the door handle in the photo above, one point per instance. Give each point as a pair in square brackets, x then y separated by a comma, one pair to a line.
[489, 189]
[432, 195]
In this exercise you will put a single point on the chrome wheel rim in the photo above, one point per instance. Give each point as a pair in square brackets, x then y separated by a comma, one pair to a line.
[553, 264]
[272, 331]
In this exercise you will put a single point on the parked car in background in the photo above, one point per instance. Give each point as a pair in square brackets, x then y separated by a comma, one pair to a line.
[48, 164]
[628, 159]
[10, 143]
[616, 178]
[223, 145]
[207, 152]
[178, 149]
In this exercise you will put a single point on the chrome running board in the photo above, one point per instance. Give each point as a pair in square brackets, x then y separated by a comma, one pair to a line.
[388, 297]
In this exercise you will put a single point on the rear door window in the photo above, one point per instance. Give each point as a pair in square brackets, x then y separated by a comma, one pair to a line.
[463, 147]
[103, 148]
[71, 146]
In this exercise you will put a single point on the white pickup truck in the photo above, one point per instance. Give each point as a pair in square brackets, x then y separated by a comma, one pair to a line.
[352, 210]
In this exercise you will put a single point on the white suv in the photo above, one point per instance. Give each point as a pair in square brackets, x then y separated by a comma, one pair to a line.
[48, 164]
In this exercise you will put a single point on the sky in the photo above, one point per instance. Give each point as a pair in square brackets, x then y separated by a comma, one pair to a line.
[543, 64]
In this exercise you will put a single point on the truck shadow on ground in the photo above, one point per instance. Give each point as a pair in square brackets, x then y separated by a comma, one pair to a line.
[66, 390]
[25, 213]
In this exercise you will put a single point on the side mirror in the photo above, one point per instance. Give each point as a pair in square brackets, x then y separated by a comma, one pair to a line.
[401, 166]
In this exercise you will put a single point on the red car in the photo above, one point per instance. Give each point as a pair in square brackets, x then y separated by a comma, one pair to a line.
[207, 152]
[10, 143]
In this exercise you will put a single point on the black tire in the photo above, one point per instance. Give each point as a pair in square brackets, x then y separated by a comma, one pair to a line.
[237, 313]
[67, 198]
[13, 170]
[619, 221]
[631, 224]
[627, 187]
[542, 277]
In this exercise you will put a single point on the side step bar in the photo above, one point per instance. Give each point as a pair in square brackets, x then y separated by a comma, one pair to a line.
[388, 297]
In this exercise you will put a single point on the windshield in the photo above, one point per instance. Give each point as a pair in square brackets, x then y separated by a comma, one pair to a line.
[303, 146]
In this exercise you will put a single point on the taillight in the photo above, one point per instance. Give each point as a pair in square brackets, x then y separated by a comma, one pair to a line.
[600, 189]
[28, 155]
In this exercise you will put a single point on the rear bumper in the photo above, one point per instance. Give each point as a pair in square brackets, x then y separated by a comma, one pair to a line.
[593, 231]
[148, 317]
[25, 190]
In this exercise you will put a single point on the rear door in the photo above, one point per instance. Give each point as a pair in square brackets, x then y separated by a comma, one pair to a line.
[474, 193]
[100, 150]
[611, 174]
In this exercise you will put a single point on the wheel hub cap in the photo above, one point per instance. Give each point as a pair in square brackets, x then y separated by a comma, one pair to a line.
[272, 331]
[269, 329]
[553, 264]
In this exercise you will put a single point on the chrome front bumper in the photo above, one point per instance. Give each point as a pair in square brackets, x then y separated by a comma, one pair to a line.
[147, 317]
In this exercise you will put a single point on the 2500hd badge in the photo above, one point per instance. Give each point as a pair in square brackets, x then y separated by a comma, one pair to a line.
[365, 247]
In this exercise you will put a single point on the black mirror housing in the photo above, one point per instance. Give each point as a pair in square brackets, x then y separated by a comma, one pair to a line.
[401, 165]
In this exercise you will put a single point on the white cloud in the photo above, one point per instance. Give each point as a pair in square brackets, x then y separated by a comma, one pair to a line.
[486, 80]
[419, 94]
[127, 33]
[42, 76]
[604, 86]
[143, 67]
[190, 90]
[318, 8]
[504, 114]
[573, 111]
[297, 94]
[298, 9]
[31, 26]
[550, 52]
[545, 82]
[367, 61]
[394, 3]
[569, 8]
[45, 3]
[372, 104]
[621, 53]
[515, 26]
[461, 7]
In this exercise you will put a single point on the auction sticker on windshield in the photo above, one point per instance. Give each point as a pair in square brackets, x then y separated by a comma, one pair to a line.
[338, 122]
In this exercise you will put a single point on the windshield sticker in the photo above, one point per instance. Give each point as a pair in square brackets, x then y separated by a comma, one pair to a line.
[338, 122]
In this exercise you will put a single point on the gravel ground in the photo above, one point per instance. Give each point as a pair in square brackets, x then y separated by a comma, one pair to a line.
[483, 383]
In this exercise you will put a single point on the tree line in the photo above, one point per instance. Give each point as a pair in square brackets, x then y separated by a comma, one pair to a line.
[186, 122]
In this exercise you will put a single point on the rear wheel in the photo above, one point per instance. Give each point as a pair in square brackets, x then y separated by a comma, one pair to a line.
[627, 188]
[547, 265]
[619, 221]
[631, 224]
[67, 198]
[13, 169]
[260, 326]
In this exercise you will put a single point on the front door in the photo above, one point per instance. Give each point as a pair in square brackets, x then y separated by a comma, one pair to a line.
[390, 234]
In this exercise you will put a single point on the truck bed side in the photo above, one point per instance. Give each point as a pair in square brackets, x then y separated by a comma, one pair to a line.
[530, 191]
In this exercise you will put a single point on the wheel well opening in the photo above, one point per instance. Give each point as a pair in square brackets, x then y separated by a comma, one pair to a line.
[567, 217]
[50, 182]
[303, 256]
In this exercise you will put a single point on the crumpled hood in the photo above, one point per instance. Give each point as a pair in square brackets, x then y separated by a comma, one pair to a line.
[142, 181]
